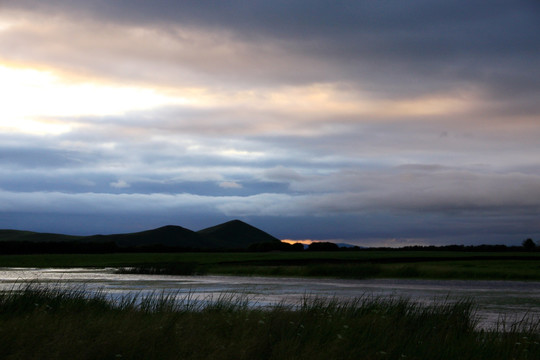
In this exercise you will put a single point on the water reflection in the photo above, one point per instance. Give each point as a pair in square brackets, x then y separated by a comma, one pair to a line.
[509, 299]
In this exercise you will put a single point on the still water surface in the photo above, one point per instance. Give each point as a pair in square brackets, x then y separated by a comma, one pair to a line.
[510, 300]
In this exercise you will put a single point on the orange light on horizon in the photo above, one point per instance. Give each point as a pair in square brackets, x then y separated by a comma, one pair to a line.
[303, 242]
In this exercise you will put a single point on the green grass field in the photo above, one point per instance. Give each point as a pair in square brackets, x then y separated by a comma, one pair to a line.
[360, 264]
[40, 323]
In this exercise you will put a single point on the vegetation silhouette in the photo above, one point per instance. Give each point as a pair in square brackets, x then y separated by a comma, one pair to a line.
[69, 324]
[529, 244]
[323, 246]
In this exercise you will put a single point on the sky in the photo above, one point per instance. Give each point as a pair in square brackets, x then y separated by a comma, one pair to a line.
[375, 123]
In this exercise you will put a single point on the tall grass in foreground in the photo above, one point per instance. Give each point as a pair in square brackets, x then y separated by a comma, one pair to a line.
[45, 323]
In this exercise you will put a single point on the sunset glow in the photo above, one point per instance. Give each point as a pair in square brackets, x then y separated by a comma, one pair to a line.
[303, 242]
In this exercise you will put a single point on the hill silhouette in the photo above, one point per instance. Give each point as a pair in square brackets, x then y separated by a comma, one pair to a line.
[237, 234]
[231, 235]
[170, 235]
[31, 236]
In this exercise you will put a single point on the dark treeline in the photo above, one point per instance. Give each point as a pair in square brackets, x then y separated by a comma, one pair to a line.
[275, 246]
[460, 248]
[328, 246]
[56, 247]
[78, 247]
[464, 248]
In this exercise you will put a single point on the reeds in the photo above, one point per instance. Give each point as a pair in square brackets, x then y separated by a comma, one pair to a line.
[176, 268]
[54, 323]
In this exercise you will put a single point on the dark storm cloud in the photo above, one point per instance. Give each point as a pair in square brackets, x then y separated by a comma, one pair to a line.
[388, 46]
[302, 18]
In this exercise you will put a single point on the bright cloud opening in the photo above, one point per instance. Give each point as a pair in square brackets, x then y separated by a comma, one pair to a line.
[35, 101]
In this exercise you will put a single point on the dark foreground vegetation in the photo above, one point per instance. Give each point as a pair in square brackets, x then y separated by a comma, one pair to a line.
[44, 323]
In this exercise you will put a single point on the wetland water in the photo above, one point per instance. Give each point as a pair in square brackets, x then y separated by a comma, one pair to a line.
[510, 300]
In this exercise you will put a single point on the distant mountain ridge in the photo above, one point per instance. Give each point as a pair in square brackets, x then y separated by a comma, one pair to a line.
[234, 234]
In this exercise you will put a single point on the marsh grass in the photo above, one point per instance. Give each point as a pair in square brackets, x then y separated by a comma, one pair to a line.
[464, 270]
[340, 264]
[170, 268]
[49, 323]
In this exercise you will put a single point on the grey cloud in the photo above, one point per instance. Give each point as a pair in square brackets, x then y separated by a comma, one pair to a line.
[388, 144]
[150, 177]
[292, 17]
[230, 185]
[23, 157]
[449, 191]
[425, 189]
[99, 203]
[37, 152]
[282, 174]
[387, 46]
[185, 56]
[475, 136]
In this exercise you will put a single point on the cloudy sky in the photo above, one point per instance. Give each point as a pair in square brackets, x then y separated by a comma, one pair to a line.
[370, 122]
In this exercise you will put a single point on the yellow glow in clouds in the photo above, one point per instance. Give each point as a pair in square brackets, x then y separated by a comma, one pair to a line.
[38, 102]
